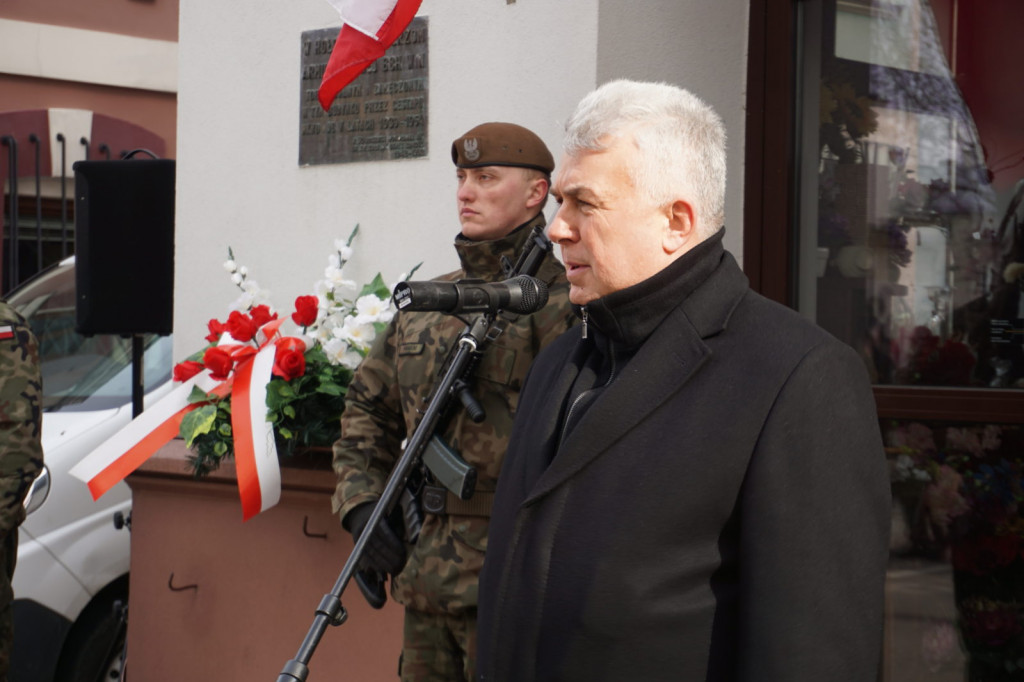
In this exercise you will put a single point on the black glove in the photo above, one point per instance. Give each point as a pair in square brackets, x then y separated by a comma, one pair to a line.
[384, 551]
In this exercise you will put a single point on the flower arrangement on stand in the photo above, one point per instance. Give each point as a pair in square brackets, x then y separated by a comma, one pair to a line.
[312, 368]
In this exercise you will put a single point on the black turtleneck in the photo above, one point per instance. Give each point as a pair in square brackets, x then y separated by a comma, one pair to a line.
[628, 316]
[617, 325]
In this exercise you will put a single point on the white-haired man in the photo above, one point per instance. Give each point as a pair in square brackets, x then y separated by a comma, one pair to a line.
[695, 487]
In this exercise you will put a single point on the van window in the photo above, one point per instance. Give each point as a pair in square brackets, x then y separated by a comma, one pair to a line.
[83, 372]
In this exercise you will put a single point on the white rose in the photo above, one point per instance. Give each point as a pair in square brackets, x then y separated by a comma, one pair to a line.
[336, 280]
[357, 334]
[243, 303]
[370, 309]
[351, 359]
[334, 349]
[323, 291]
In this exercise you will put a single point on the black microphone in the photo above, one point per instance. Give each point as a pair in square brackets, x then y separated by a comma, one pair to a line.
[521, 295]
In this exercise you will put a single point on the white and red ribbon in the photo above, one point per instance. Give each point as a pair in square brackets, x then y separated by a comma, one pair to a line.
[256, 465]
[259, 476]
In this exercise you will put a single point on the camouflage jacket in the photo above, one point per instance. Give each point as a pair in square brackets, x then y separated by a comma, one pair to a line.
[394, 383]
[21, 452]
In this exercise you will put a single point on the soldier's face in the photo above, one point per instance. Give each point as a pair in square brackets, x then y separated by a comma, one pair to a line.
[494, 200]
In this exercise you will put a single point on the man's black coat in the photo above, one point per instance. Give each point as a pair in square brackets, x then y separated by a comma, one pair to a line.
[720, 512]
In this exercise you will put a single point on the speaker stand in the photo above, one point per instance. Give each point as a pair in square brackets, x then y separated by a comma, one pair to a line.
[138, 384]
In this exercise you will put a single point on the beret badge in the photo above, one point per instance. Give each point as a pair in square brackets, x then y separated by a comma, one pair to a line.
[472, 148]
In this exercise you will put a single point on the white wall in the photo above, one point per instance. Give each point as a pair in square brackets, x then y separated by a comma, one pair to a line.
[238, 179]
[700, 46]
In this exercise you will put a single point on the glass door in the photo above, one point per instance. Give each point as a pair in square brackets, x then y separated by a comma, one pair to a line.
[906, 241]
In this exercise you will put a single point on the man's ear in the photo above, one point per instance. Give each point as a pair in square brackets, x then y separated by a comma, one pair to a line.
[681, 230]
[538, 190]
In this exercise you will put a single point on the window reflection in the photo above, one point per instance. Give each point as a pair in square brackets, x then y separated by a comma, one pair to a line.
[82, 373]
[956, 579]
[912, 246]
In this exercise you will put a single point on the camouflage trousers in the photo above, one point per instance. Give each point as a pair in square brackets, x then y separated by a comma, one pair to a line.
[8, 555]
[438, 647]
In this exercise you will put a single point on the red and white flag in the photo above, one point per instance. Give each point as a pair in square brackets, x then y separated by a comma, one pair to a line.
[370, 28]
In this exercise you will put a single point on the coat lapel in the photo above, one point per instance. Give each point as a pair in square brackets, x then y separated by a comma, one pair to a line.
[677, 351]
[661, 368]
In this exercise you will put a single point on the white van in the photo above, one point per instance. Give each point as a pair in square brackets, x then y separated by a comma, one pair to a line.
[71, 579]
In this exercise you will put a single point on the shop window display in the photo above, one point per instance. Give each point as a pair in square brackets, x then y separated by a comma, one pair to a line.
[912, 238]
[910, 248]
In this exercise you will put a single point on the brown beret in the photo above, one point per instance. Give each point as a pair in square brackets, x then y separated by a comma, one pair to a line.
[502, 144]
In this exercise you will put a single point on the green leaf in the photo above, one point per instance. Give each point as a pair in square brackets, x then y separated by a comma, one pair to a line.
[331, 389]
[284, 432]
[316, 357]
[289, 411]
[377, 287]
[352, 236]
[198, 395]
[220, 448]
[197, 422]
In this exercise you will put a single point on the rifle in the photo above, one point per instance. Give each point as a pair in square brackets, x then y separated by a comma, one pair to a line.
[451, 385]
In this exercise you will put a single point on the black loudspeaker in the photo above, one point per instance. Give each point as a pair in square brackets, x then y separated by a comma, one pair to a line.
[124, 246]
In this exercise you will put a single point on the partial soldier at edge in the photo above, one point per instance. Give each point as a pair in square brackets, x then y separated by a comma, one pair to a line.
[21, 452]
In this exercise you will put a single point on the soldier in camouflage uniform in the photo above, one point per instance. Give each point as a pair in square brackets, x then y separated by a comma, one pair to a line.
[504, 174]
[21, 453]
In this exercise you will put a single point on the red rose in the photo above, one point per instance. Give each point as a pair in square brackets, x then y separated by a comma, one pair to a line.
[290, 358]
[305, 310]
[241, 327]
[219, 362]
[183, 371]
[261, 315]
[216, 329]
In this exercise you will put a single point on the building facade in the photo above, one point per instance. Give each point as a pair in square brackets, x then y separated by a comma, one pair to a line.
[874, 182]
[78, 81]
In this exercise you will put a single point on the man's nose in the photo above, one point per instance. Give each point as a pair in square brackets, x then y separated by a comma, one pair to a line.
[559, 229]
[465, 191]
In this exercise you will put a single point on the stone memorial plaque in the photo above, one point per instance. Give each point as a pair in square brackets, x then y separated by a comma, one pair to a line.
[381, 115]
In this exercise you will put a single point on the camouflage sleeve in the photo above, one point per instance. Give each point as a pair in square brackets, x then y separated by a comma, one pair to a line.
[372, 427]
[21, 452]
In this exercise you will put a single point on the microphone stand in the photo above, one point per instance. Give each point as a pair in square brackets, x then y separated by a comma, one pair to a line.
[331, 611]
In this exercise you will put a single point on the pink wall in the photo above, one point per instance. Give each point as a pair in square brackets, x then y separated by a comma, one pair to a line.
[141, 18]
